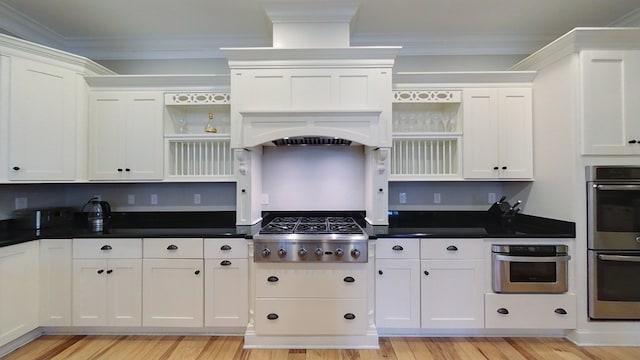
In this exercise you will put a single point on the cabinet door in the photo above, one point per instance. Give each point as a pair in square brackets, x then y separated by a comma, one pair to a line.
[144, 136]
[106, 135]
[125, 132]
[480, 134]
[18, 290]
[124, 290]
[610, 110]
[172, 292]
[515, 121]
[452, 294]
[55, 282]
[42, 122]
[226, 292]
[90, 292]
[398, 293]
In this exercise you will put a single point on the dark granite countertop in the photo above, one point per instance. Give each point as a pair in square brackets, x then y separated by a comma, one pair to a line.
[470, 224]
[408, 224]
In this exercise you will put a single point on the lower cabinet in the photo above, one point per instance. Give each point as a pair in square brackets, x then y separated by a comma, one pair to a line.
[18, 290]
[173, 283]
[397, 283]
[517, 311]
[107, 282]
[226, 288]
[55, 282]
[107, 292]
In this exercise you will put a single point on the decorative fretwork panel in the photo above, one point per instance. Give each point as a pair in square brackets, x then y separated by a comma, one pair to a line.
[197, 98]
[200, 158]
[427, 96]
[422, 158]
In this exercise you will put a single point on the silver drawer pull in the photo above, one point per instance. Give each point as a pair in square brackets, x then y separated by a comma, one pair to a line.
[397, 248]
[532, 259]
[225, 247]
[106, 247]
[172, 247]
[625, 258]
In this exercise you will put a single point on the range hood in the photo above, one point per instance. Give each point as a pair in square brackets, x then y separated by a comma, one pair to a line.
[311, 88]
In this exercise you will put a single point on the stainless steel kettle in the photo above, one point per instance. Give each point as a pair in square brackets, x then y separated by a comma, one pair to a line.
[98, 215]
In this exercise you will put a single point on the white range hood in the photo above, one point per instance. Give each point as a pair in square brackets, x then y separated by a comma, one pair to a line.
[311, 83]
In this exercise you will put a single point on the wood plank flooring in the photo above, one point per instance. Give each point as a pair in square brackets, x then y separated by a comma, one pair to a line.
[54, 347]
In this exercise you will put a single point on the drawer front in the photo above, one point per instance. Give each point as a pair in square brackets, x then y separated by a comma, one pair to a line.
[173, 248]
[309, 282]
[530, 311]
[397, 248]
[311, 317]
[449, 249]
[120, 248]
[226, 249]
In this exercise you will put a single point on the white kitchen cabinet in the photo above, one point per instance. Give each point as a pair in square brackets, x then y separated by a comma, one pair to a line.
[55, 282]
[527, 311]
[125, 135]
[19, 277]
[173, 282]
[497, 133]
[226, 287]
[397, 283]
[451, 288]
[107, 282]
[610, 110]
[42, 121]
[107, 292]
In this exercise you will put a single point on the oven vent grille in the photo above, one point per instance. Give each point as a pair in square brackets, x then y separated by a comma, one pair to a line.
[311, 140]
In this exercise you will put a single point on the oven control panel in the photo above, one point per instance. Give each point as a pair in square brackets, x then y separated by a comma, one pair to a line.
[310, 251]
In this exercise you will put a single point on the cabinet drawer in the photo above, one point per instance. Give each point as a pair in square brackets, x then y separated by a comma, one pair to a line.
[225, 248]
[276, 280]
[449, 249]
[311, 317]
[397, 248]
[121, 248]
[530, 311]
[172, 248]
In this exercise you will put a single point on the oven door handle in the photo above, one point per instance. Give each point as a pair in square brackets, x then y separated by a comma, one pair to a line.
[533, 259]
[617, 187]
[626, 258]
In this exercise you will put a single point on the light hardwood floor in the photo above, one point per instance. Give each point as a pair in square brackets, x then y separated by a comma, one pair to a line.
[395, 348]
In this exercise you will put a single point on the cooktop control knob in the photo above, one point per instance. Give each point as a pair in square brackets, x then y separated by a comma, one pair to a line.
[339, 252]
[319, 252]
[282, 252]
[355, 253]
[302, 252]
[266, 252]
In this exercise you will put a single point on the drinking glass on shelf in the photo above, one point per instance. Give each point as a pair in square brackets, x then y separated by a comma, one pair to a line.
[180, 124]
[437, 120]
[446, 117]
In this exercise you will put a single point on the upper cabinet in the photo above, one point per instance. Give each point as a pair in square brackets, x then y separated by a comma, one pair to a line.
[42, 121]
[498, 133]
[125, 135]
[610, 106]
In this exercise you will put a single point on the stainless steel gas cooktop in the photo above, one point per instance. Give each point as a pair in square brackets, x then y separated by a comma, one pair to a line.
[311, 239]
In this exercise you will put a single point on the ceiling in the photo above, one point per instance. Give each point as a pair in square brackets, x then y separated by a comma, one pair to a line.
[170, 29]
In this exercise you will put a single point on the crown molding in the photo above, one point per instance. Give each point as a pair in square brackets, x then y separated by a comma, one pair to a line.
[19, 25]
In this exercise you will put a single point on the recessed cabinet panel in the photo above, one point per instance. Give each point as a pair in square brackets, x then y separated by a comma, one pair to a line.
[42, 121]
[611, 112]
[311, 91]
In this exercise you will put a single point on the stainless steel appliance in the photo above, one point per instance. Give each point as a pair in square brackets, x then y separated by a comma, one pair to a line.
[613, 241]
[311, 239]
[98, 215]
[530, 268]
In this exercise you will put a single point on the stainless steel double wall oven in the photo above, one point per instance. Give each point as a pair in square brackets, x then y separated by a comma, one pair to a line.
[613, 211]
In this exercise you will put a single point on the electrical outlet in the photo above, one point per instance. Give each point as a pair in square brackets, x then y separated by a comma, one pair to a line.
[154, 199]
[403, 198]
[131, 199]
[437, 198]
[265, 199]
[197, 199]
[491, 198]
[21, 203]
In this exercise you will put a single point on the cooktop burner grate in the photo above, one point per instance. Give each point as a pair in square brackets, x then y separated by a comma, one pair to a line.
[312, 225]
